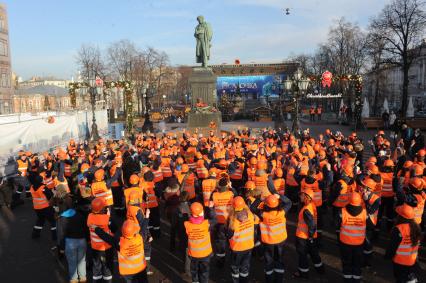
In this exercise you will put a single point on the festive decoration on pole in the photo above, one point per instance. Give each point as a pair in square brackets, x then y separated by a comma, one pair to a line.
[127, 87]
[326, 78]
[237, 61]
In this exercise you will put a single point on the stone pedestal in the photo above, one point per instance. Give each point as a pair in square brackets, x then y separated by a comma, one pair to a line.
[203, 85]
[202, 122]
[202, 82]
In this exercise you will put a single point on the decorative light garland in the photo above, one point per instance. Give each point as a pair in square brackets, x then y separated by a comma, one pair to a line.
[127, 87]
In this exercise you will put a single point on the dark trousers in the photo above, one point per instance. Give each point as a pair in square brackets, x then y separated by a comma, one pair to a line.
[319, 117]
[240, 266]
[274, 262]
[305, 248]
[351, 262]
[102, 265]
[200, 268]
[42, 215]
[21, 184]
[368, 245]
[220, 241]
[312, 117]
[140, 277]
[154, 222]
[386, 208]
[403, 273]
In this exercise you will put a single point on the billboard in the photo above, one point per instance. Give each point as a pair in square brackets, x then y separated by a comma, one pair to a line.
[268, 85]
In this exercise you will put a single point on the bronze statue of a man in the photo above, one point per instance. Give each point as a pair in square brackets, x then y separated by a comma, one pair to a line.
[203, 34]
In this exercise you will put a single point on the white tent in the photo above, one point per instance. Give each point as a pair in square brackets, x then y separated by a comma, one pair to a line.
[385, 106]
[365, 109]
[410, 108]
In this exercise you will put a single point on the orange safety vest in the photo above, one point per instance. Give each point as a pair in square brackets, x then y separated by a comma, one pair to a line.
[208, 187]
[131, 256]
[319, 110]
[192, 165]
[128, 191]
[65, 183]
[222, 202]
[406, 176]
[251, 173]
[39, 198]
[343, 198]
[273, 227]
[189, 186]
[165, 168]
[101, 221]
[199, 244]
[352, 229]
[23, 167]
[151, 197]
[99, 189]
[373, 217]
[406, 253]
[116, 183]
[418, 210]
[312, 111]
[238, 173]
[279, 185]
[202, 172]
[302, 230]
[289, 179]
[158, 175]
[387, 188]
[243, 237]
[315, 188]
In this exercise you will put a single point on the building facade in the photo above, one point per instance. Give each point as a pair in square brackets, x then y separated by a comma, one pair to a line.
[6, 86]
[39, 81]
[386, 83]
[41, 98]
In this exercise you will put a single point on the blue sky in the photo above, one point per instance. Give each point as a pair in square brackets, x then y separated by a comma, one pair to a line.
[45, 34]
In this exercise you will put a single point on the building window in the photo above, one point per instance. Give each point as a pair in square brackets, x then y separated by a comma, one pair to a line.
[3, 48]
[5, 82]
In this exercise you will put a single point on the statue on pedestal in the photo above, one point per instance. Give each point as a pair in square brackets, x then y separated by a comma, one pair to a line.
[203, 34]
[202, 107]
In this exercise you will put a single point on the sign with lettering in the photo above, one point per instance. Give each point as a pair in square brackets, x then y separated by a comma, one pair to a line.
[323, 95]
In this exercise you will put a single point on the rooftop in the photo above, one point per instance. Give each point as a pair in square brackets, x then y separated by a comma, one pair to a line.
[44, 90]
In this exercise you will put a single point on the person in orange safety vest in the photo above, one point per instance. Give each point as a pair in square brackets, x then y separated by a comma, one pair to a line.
[199, 245]
[101, 251]
[404, 245]
[306, 235]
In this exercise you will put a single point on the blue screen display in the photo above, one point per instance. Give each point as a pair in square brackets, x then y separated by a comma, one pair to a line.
[268, 85]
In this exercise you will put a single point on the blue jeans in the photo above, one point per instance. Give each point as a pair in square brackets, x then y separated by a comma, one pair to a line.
[75, 251]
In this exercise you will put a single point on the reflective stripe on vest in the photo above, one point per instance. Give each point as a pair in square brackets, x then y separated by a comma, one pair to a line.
[273, 227]
[131, 256]
[352, 229]
[406, 253]
[199, 244]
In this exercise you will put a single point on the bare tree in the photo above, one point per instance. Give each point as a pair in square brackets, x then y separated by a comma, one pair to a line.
[400, 26]
[121, 55]
[89, 59]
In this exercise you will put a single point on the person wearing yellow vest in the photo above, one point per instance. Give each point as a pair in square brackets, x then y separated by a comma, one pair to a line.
[222, 205]
[151, 203]
[404, 244]
[387, 198]
[353, 218]
[273, 233]
[199, 245]
[371, 203]
[306, 235]
[130, 251]
[44, 211]
[101, 251]
[241, 239]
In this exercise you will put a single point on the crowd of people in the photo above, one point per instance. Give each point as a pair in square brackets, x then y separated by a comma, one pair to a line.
[227, 197]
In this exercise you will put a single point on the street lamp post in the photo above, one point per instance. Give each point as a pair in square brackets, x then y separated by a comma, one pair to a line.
[93, 92]
[298, 85]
